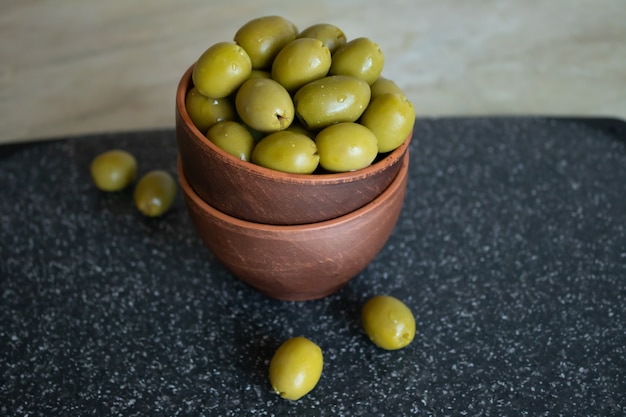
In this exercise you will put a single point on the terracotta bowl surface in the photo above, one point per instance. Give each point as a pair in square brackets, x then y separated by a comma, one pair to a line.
[298, 262]
[257, 194]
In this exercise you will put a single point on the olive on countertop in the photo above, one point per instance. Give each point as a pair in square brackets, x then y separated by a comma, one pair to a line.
[155, 192]
[296, 368]
[388, 322]
[113, 170]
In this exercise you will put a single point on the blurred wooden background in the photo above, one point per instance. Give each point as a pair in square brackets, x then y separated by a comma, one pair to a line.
[69, 67]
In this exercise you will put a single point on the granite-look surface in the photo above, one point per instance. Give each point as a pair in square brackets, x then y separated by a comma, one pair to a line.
[510, 250]
[77, 67]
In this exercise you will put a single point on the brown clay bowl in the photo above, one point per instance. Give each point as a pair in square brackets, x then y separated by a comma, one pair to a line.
[298, 262]
[257, 194]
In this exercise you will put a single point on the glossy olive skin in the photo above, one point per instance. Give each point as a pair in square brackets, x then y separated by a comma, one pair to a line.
[256, 135]
[388, 322]
[361, 58]
[332, 36]
[113, 170]
[332, 99]
[296, 368]
[221, 69]
[155, 193]
[257, 73]
[384, 85]
[347, 146]
[391, 117]
[301, 61]
[233, 138]
[263, 37]
[287, 151]
[264, 105]
[297, 127]
[205, 111]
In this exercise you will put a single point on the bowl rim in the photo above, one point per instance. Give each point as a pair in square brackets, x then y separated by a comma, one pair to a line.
[186, 83]
[393, 188]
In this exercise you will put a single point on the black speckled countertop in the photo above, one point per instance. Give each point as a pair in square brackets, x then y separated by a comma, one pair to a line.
[510, 250]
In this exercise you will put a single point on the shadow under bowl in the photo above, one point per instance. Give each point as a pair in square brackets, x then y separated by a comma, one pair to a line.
[298, 262]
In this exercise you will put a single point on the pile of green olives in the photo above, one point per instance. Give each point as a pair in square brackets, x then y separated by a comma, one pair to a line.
[295, 101]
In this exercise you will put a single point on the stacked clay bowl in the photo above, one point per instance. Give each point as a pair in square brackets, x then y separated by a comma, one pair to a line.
[298, 262]
[292, 236]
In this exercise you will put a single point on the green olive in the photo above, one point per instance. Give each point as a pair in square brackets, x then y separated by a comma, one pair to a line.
[257, 73]
[233, 138]
[256, 135]
[288, 152]
[296, 368]
[388, 322]
[299, 62]
[221, 69]
[332, 99]
[346, 147]
[297, 127]
[384, 85]
[113, 170]
[331, 35]
[361, 58]
[264, 105]
[205, 111]
[262, 38]
[154, 193]
[391, 117]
